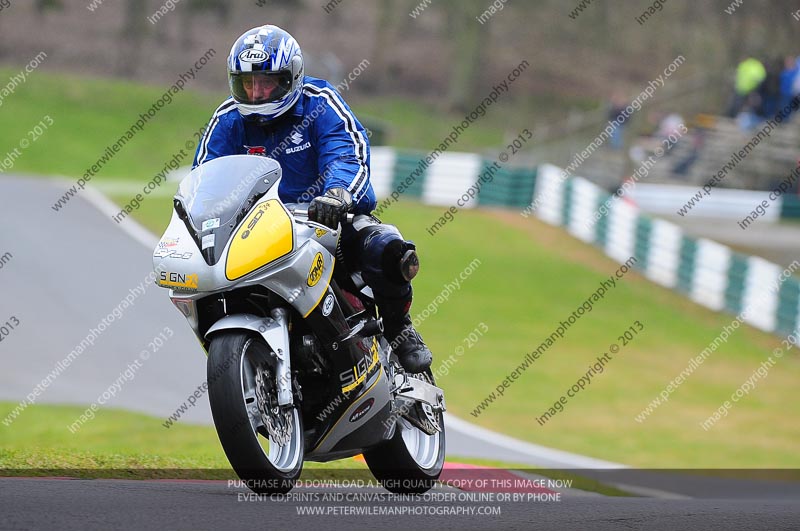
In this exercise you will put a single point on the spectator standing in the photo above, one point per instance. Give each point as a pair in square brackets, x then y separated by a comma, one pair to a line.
[615, 110]
[770, 90]
[788, 78]
[749, 75]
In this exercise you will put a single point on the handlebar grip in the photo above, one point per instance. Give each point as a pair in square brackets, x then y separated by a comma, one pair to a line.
[348, 218]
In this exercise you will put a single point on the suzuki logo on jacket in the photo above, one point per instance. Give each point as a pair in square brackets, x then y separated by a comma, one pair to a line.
[303, 147]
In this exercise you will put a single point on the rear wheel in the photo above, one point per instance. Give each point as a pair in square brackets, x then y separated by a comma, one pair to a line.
[412, 460]
[262, 440]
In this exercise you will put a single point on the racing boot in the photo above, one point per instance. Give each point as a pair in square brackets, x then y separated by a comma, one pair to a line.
[406, 343]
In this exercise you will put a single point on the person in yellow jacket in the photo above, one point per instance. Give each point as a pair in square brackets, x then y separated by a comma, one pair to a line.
[749, 75]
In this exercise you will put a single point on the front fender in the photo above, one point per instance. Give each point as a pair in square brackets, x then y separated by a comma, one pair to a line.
[275, 331]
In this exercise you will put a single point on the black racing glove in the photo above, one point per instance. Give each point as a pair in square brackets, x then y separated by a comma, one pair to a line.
[331, 208]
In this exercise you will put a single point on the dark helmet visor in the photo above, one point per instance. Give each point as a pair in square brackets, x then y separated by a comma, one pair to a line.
[254, 88]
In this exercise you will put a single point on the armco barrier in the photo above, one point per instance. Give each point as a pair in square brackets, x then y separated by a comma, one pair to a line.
[709, 273]
[448, 177]
[790, 206]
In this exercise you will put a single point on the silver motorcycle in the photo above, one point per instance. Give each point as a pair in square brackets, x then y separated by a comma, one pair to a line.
[297, 367]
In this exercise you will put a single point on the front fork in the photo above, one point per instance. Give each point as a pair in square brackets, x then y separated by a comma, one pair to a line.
[278, 339]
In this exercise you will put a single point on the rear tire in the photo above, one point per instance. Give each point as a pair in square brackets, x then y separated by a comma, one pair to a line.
[411, 461]
[266, 466]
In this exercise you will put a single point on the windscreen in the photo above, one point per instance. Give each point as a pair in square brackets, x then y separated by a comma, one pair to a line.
[216, 196]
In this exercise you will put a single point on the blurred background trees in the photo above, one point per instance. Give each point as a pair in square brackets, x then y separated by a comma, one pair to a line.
[438, 59]
[443, 54]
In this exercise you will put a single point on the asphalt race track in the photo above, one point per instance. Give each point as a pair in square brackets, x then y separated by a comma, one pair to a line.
[72, 269]
[111, 504]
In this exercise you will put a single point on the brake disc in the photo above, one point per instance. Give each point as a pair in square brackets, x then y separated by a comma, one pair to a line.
[278, 423]
[422, 417]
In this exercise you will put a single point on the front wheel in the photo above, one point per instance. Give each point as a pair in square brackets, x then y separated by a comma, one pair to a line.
[412, 460]
[262, 440]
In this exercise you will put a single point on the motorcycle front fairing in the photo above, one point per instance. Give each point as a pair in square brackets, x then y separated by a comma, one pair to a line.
[229, 234]
[229, 229]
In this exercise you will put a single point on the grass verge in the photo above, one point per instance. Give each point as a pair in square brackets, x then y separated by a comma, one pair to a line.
[120, 444]
[522, 288]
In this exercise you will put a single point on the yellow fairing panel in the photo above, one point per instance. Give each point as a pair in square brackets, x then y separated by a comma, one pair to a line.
[263, 237]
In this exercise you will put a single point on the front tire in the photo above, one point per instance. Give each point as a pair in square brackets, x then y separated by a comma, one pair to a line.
[235, 359]
[411, 461]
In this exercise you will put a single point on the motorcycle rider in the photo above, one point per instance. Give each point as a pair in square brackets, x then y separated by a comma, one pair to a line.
[303, 123]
